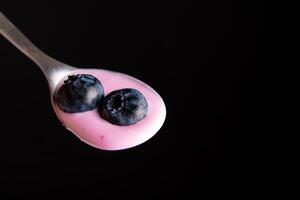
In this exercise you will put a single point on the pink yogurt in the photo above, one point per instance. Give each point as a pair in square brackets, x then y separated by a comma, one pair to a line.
[99, 133]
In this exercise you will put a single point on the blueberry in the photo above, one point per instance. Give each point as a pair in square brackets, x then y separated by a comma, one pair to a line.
[80, 93]
[124, 107]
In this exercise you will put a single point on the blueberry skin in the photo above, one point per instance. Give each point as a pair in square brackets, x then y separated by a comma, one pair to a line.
[124, 107]
[80, 93]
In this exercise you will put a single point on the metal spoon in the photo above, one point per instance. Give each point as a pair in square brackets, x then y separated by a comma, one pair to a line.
[56, 71]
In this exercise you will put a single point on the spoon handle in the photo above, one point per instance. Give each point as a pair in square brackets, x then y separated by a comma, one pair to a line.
[19, 40]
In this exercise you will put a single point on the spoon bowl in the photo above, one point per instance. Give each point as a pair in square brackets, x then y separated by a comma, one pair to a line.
[89, 126]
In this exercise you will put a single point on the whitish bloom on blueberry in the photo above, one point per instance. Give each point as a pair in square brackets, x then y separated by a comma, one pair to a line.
[124, 107]
[80, 93]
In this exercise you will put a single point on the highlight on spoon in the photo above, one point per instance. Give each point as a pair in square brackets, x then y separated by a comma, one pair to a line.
[98, 131]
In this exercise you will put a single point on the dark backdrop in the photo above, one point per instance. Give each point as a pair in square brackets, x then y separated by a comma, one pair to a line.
[207, 60]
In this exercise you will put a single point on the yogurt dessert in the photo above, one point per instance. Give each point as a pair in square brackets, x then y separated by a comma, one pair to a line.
[108, 110]
[105, 109]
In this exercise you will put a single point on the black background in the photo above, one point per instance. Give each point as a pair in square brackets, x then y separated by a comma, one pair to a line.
[208, 61]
